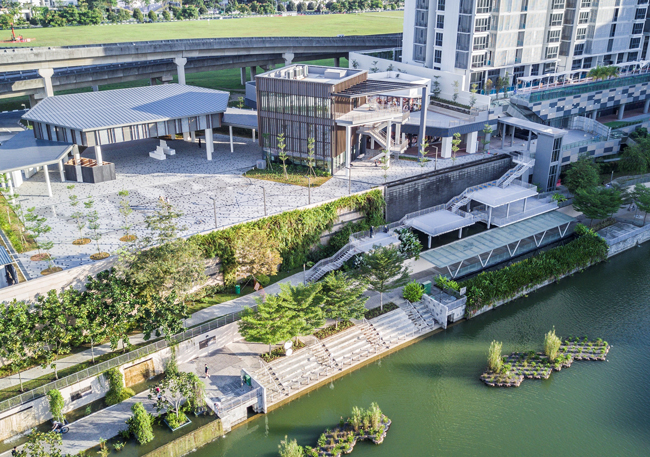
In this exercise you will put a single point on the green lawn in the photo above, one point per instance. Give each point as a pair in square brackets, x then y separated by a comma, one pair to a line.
[314, 25]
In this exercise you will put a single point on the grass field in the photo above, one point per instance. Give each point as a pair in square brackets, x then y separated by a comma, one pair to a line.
[314, 25]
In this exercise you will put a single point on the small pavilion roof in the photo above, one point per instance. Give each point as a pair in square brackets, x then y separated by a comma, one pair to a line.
[5, 259]
[24, 151]
[376, 87]
[137, 105]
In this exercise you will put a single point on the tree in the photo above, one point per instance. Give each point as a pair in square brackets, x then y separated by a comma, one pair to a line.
[305, 302]
[551, 345]
[301, 7]
[495, 362]
[281, 8]
[487, 131]
[636, 159]
[456, 86]
[385, 163]
[597, 202]
[165, 318]
[91, 324]
[291, 6]
[166, 16]
[409, 246]
[95, 234]
[455, 146]
[36, 225]
[343, 297]
[153, 17]
[271, 323]
[488, 87]
[126, 211]
[582, 174]
[162, 224]
[436, 90]
[42, 444]
[255, 253]
[641, 196]
[176, 388]
[57, 404]
[423, 152]
[311, 161]
[137, 15]
[290, 448]
[141, 424]
[282, 155]
[472, 98]
[18, 337]
[505, 84]
[383, 270]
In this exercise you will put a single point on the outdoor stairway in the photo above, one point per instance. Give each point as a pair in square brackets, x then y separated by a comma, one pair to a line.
[514, 173]
[413, 313]
[393, 327]
[331, 263]
[425, 313]
[298, 369]
[379, 136]
[371, 334]
[322, 355]
[269, 380]
[348, 346]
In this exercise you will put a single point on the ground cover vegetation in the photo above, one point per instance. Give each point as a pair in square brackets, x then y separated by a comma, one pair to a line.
[369, 424]
[511, 370]
[52, 22]
[489, 287]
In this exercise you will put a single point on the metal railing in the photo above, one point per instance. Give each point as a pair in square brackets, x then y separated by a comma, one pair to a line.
[118, 361]
[330, 260]
[544, 208]
[355, 238]
[627, 236]
[362, 115]
[578, 144]
[232, 403]
[422, 212]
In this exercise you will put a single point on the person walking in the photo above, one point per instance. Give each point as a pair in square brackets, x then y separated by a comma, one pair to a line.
[207, 375]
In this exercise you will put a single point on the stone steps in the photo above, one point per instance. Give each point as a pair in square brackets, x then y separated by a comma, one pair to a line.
[350, 346]
[393, 327]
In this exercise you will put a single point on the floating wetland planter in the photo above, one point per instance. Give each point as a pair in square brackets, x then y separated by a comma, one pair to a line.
[536, 365]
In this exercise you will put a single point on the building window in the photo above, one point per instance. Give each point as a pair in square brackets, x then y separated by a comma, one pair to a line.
[620, 58]
[581, 33]
[612, 30]
[558, 5]
[440, 22]
[483, 6]
[587, 62]
[579, 49]
[517, 72]
[554, 36]
[551, 52]
[441, 5]
[556, 19]
[534, 70]
[480, 42]
[632, 56]
[437, 56]
[585, 4]
[640, 14]
[522, 21]
[576, 64]
[635, 42]
[438, 39]
[482, 24]
[615, 18]
[637, 28]
[557, 146]
[478, 61]
[584, 17]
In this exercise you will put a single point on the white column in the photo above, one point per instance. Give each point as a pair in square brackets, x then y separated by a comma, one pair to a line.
[98, 155]
[389, 128]
[471, 141]
[337, 61]
[460, 233]
[372, 143]
[186, 136]
[61, 172]
[512, 136]
[46, 74]
[95, 88]
[489, 216]
[398, 134]
[503, 136]
[242, 75]
[429, 241]
[530, 137]
[253, 72]
[253, 134]
[646, 107]
[10, 184]
[621, 111]
[348, 152]
[445, 147]
[77, 161]
[47, 180]
[594, 114]
[193, 136]
[508, 210]
[525, 201]
[180, 69]
[288, 58]
[209, 143]
[17, 178]
[232, 149]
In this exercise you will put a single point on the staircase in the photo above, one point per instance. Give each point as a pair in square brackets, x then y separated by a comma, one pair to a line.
[332, 263]
[379, 136]
[371, 335]
[322, 355]
[514, 173]
[393, 327]
[418, 320]
[268, 379]
[425, 312]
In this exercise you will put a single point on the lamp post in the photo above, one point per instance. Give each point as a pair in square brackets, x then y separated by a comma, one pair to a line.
[250, 183]
[214, 207]
[436, 161]
[309, 189]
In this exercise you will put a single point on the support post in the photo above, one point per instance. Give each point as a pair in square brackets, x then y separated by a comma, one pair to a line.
[372, 142]
[337, 61]
[47, 180]
[253, 135]
[460, 233]
[470, 142]
[232, 149]
[525, 201]
[489, 216]
[389, 134]
[503, 136]
[429, 241]
[445, 147]
[77, 162]
[508, 210]
[512, 136]
[242, 75]
[209, 143]
[348, 152]
[423, 118]
[193, 136]
[594, 114]
[253, 72]
[46, 74]
[621, 111]
[530, 137]
[61, 172]
[95, 88]
[98, 155]
[180, 69]
[646, 107]
[288, 58]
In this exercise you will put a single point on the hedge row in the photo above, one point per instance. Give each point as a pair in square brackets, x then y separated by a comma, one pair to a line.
[491, 286]
[297, 232]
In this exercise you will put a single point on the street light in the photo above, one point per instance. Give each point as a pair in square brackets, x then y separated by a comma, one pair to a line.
[214, 206]
[250, 183]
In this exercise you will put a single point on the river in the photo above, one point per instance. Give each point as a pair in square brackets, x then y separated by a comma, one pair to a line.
[439, 407]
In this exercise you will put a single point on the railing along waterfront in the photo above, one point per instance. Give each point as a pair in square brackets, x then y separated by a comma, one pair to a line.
[119, 360]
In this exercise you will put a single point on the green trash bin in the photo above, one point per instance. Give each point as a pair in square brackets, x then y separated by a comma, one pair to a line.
[427, 287]
[237, 289]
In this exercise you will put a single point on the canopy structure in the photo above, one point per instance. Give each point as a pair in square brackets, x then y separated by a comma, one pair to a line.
[5, 259]
[371, 87]
[23, 151]
[482, 245]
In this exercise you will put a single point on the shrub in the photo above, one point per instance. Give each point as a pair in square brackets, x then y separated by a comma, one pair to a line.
[176, 420]
[332, 330]
[119, 445]
[551, 345]
[410, 245]
[375, 312]
[290, 448]
[116, 392]
[56, 405]
[140, 424]
[495, 363]
[263, 280]
[445, 283]
[413, 291]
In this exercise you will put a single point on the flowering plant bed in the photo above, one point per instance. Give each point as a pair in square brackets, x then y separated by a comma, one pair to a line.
[536, 365]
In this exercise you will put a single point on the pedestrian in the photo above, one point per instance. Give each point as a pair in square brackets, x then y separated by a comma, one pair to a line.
[14, 453]
[199, 142]
[207, 375]
[372, 231]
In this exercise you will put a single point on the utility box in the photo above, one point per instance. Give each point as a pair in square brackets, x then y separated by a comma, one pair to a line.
[427, 287]
[238, 289]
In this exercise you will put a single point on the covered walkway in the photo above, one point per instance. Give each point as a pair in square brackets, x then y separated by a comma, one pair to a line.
[479, 251]
[438, 221]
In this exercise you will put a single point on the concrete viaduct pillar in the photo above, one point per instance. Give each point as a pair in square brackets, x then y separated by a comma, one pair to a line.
[621, 111]
[253, 72]
[646, 107]
[46, 74]
[288, 58]
[180, 68]
[242, 75]
[337, 61]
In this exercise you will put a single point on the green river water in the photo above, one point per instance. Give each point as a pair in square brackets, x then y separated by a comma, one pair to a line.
[439, 407]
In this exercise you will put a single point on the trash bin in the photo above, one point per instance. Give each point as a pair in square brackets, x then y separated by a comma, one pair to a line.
[427, 287]
[237, 289]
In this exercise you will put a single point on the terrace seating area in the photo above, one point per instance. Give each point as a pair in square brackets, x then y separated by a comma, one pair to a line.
[348, 347]
[394, 327]
[297, 370]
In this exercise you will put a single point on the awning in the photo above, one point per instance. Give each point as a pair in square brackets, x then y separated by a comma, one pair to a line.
[24, 151]
[5, 259]
[376, 87]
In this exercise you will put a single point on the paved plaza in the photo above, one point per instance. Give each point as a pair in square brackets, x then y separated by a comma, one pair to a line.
[188, 181]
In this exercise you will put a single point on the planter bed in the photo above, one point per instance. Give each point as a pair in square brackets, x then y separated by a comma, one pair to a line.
[332, 330]
[280, 352]
[187, 422]
[535, 365]
[345, 438]
[376, 312]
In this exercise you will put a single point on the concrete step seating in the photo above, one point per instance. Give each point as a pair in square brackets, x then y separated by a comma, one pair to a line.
[425, 312]
[297, 369]
[393, 327]
[269, 381]
[418, 320]
[371, 335]
[322, 355]
[158, 154]
[348, 346]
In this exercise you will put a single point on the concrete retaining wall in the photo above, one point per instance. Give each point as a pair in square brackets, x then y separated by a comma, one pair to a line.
[187, 443]
[641, 237]
[438, 187]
